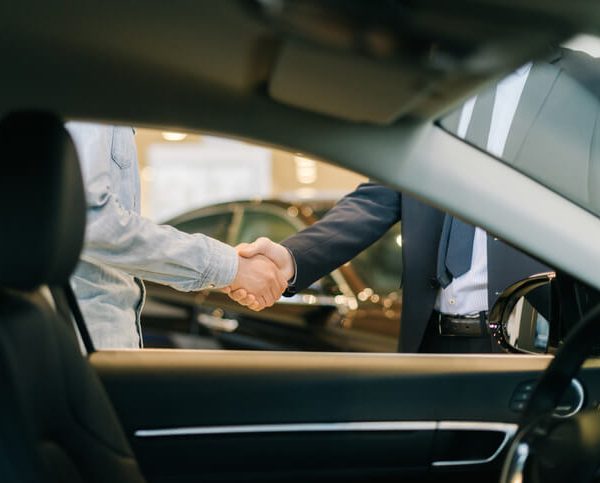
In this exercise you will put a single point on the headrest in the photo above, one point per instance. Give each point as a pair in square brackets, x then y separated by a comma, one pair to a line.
[42, 201]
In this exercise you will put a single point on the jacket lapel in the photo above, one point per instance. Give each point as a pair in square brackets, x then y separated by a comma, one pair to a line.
[542, 77]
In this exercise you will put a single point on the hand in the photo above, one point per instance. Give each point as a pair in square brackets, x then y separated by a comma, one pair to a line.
[275, 252]
[261, 278]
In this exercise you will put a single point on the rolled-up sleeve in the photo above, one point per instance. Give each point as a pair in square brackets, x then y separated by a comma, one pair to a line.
[121, 238]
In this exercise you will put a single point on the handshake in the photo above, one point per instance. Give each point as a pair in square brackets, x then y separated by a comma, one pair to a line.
[264, 269]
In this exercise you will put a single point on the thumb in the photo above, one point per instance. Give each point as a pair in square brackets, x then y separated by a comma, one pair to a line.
[242, 246]
[258, 247]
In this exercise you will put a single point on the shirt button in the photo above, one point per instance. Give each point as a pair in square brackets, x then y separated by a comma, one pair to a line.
[211, 285]
[452, 301]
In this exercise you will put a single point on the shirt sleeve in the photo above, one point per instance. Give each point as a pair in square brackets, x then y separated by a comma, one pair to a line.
[122, 239]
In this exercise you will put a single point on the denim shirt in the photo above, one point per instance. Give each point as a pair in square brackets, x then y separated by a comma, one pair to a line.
[122, 248]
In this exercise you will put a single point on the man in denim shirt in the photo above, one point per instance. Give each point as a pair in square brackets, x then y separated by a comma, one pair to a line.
[122, 248]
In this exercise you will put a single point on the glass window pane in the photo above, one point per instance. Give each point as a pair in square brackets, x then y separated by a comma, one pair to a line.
[259, 223]
[215, 226]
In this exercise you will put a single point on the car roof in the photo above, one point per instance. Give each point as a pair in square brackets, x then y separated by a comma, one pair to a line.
[359, 91]
[301, 212]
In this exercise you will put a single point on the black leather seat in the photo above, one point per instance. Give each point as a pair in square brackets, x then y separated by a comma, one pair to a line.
[56, 421]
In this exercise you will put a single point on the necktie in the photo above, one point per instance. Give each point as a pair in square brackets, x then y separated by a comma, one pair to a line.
[455, 250]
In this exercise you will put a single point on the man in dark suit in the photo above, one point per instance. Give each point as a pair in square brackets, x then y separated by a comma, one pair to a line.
[544, 114]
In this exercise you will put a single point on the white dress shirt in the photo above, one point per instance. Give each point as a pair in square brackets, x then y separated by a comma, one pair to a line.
[467, 294]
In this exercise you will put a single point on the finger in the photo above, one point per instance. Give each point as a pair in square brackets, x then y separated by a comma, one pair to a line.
[278, 289]
[248, 250]
[238, 294]
[259, 246]
[251, 302]
[273, 291]
[256, 306]
[247, 301]
[261, 303]
[271, 302]
[283, 284]
[243, 298]
[241, 246]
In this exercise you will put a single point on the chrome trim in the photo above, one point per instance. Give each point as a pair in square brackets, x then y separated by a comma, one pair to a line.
[508, 429]
[308, 299]
[580, 393]
[478, 426]
[289, 428]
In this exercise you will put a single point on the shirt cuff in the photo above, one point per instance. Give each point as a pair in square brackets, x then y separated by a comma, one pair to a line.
[291, 287]
[222, 265]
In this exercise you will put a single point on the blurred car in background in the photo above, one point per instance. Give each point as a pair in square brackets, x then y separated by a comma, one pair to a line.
[355, 308]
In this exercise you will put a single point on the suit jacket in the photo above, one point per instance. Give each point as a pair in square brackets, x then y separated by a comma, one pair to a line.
[555, 124]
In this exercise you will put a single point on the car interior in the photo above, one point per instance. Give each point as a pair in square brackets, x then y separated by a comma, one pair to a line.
[254, 70]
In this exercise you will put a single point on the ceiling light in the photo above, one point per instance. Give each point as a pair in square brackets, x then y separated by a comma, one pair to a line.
[173, 136]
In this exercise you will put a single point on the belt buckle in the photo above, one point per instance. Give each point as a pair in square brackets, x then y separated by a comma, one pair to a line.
[462, 326]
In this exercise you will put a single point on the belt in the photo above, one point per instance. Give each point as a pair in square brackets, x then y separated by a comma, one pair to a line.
[463, 325]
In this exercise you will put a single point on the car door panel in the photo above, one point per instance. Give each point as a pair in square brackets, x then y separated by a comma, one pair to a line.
[242, 414]
[288, 456]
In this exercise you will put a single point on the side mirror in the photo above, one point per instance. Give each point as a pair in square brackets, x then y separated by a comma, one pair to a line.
[520, 320]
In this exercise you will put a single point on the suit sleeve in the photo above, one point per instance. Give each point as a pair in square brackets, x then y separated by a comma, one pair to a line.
[357, 221]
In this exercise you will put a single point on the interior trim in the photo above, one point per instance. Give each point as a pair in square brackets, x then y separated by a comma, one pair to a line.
[580, 399]
[508, 429]
[289, 428]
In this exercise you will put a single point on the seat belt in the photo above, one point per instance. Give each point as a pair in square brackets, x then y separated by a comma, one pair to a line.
[68, 308]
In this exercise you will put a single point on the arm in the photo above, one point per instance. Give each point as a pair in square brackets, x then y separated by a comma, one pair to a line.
[357, 221]
[121, 238]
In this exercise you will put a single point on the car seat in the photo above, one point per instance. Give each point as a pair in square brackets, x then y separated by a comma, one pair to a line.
[56, 420]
